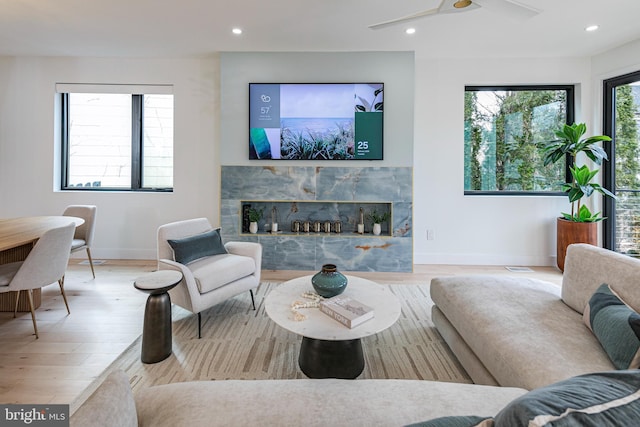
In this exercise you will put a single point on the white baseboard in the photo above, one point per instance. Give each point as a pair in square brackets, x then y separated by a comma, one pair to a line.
[418, 258]
[483, 259]
[102, 253]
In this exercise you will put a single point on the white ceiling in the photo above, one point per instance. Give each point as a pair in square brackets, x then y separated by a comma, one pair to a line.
[199, 27]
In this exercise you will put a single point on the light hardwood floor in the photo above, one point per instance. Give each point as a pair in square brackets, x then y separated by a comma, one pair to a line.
[106, 317]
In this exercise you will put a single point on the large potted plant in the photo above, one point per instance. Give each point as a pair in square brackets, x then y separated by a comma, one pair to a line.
[579, 226]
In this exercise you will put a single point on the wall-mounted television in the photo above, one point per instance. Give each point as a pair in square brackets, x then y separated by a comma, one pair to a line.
[316, 121]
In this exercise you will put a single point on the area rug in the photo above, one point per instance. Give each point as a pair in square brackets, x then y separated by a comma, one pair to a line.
[240, 343]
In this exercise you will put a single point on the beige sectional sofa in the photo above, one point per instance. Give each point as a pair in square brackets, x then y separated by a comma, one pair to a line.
[514, 334]
[521, 332]
[320, 402]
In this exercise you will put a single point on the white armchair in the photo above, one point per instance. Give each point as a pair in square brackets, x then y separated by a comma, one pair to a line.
[210, 279]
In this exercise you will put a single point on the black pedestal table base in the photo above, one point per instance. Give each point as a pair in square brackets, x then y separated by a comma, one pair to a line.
[331, 359]
[156, 331]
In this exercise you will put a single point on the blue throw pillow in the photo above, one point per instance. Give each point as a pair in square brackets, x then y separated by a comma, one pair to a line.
[199, 246]
[604, 399]
[616, 326]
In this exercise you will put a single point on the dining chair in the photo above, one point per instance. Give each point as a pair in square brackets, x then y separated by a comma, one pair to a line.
[83, 237]
[45, 264]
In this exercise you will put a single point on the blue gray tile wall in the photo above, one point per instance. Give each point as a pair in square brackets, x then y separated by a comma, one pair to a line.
[323, 194]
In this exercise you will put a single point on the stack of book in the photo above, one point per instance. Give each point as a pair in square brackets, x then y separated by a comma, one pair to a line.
[346, 310]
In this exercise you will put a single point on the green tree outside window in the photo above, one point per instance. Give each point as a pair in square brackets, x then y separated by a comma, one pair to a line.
[503, 130]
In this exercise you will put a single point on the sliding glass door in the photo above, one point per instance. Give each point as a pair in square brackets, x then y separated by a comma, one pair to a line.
[622, 172]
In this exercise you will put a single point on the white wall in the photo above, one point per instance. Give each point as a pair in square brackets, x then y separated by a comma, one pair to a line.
[498, 230]
[394, 69]
[616, 62]
[126, 222]
[467, 229]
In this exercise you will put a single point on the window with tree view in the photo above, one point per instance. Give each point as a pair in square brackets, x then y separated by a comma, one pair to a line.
[622, 172]
[117, 141]
[504, 129]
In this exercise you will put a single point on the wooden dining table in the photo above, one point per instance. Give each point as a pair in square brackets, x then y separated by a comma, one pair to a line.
[17, 237]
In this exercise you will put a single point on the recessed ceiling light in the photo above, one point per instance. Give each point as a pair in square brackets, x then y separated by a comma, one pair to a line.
[237, 31]
[410, 30]
[592, 28]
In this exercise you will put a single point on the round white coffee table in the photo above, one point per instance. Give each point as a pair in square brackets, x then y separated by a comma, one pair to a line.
[329, 349]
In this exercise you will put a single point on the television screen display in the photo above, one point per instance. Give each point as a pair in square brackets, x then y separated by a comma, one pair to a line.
[316, 121]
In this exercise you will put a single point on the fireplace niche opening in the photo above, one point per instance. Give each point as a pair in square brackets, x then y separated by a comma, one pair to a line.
[317, 217]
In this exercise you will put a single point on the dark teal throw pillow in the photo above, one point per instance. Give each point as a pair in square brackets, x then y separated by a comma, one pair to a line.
[616, 325]
[604, 399]
[456, 421]
[199, 246]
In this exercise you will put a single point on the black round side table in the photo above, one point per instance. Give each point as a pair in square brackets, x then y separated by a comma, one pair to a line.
[156, 332]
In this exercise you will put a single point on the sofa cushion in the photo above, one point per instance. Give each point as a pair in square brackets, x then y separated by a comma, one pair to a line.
[314, 402]
[457, 421]
[216, 271]
[616, 326]
[601, 399]
[112, 404]
[587, 267]
[519, 328]
[191, 248]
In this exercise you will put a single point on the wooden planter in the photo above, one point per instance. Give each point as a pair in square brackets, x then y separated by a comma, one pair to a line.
[574, 232]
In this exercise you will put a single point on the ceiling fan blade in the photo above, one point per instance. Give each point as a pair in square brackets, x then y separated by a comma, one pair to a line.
[407, 18]
[511, 8]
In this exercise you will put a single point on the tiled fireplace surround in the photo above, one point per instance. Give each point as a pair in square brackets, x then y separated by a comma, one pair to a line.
[322, 194]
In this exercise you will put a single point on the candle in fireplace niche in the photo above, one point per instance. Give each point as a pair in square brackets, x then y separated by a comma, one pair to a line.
[274, 220]
[361, 223]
